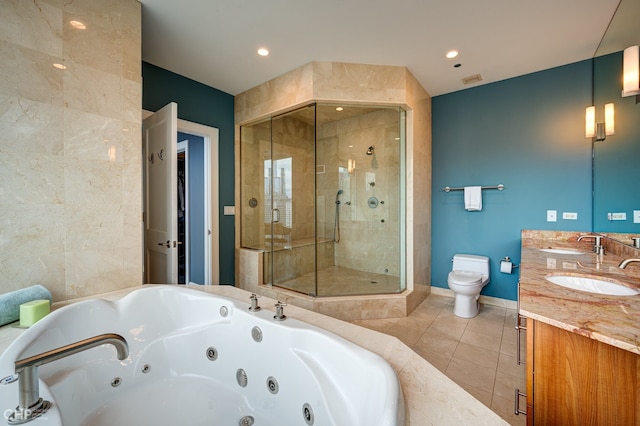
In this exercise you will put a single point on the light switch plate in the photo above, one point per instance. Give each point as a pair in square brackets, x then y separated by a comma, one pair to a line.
[569, 216]
[552, 215]
[229, 210]
[636, 216]
[617, 216]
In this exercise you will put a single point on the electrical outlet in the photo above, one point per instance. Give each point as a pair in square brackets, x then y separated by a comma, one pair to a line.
[616, 216]
[229, 210]
[636, 216]
[569, 216]
[552, 215]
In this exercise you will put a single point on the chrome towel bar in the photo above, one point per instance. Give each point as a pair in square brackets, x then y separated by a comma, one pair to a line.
[499, 187]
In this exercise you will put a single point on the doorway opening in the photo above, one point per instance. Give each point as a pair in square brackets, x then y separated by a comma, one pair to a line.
[192, 202]
[183, 212]
[189, 247]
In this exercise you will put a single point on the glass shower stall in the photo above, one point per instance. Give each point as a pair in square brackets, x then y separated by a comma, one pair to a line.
[322, 196]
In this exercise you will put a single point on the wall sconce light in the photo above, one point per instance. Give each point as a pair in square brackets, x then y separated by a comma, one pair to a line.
[351, 166]
[596, 130]
[631, 72]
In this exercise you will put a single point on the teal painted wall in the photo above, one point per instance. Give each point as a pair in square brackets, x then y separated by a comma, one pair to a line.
[526, 133]
[205, 105]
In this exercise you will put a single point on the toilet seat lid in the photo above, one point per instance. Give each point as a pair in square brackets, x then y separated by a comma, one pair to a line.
[465, 277]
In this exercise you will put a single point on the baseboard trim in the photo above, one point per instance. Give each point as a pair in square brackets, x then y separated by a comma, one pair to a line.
[488, 300]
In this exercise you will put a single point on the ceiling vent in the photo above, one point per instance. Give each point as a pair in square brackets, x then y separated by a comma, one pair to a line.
[472, 79]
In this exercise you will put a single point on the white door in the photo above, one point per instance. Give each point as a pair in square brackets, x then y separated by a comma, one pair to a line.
[160, 204]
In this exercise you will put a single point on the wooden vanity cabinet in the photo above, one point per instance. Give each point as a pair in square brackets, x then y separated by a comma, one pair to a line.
[575, 380]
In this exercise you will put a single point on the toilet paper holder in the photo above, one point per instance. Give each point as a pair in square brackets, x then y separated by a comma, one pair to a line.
[506, 266]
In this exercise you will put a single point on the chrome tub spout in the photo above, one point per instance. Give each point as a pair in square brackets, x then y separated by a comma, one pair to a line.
[30, 405]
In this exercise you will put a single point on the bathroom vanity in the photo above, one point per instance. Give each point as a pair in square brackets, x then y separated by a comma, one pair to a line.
[582, 348]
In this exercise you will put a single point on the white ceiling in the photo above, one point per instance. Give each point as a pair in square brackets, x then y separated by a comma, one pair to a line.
[215, 41]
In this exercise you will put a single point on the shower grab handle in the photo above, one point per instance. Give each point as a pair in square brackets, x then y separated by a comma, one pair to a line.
[273, 215]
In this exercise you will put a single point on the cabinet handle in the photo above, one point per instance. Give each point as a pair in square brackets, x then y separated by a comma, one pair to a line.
[516, 407]
[519, 327]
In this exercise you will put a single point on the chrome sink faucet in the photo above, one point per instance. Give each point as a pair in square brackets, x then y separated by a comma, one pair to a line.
[598, 248]
[30, 405]
[625, 262]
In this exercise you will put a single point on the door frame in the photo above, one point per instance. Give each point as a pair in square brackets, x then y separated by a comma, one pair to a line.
[211, 190]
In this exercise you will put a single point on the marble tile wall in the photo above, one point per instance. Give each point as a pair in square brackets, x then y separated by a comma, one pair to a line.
[369, 237]
[292, 139]
[70, 163]
[256, 147]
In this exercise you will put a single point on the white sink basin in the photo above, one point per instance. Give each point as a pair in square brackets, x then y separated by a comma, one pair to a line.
[561, 251]
[592, 285]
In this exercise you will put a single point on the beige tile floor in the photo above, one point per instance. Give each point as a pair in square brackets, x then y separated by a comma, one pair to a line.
[479, 353]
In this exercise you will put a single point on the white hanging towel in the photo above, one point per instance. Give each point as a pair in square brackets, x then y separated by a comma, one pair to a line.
[473, 198]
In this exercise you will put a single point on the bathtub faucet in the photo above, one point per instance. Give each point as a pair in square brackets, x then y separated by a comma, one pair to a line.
[254, 303]
[280, 316]
[30, 405]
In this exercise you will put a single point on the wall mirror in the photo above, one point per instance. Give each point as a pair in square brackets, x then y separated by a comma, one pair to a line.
[616, 181]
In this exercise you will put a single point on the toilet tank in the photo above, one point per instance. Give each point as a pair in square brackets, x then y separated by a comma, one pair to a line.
[471, 263]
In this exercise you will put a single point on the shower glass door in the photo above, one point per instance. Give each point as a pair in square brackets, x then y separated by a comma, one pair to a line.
[359, 197]
[290, 171]
[322, 191]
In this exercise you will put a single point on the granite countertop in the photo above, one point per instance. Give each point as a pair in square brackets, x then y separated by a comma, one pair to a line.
[614, 320]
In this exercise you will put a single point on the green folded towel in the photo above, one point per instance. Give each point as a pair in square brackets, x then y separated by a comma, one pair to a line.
[10, 302]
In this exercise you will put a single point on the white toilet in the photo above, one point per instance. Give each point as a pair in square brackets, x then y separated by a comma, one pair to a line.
[468, 275]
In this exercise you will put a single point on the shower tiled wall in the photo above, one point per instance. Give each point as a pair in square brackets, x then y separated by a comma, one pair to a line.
[255, 149]
[292, 139]
[70, 198]
[369, 235]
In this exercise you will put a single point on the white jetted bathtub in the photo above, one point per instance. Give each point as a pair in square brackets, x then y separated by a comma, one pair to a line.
[192, 358]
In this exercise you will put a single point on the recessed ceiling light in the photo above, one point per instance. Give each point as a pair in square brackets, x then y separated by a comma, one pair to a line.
[263, 51]
[452, 54]
[339, 108]
[79, 25]
[60, 66]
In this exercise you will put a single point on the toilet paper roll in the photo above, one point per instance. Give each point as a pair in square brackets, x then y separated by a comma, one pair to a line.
[506, 267]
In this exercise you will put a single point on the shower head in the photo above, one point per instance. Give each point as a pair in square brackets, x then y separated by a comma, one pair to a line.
[338, 196]
[370, 150]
